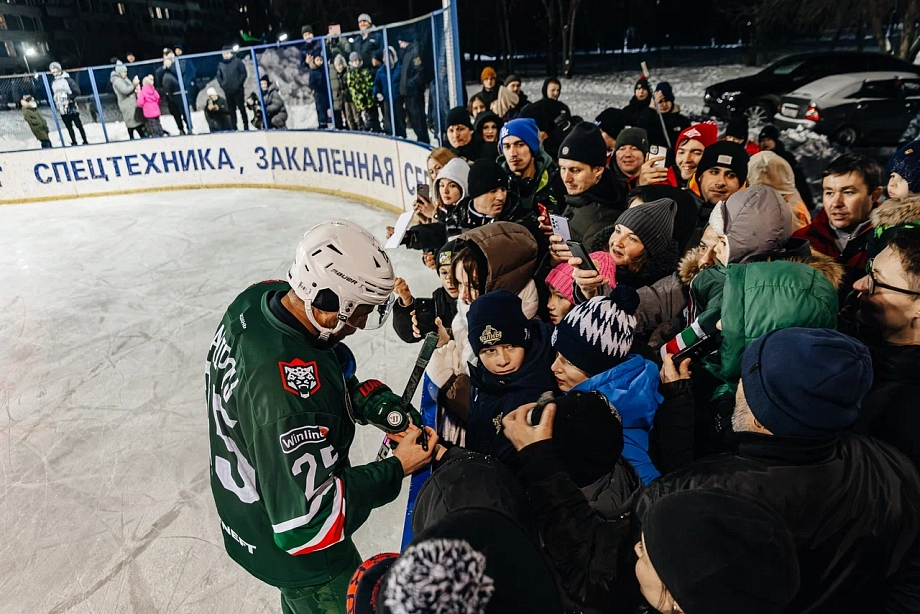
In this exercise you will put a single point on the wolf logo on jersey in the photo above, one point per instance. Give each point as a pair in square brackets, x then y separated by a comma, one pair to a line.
[299, 377]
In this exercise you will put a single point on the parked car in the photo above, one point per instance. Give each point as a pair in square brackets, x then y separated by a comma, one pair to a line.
[757, 96]
[871, 108]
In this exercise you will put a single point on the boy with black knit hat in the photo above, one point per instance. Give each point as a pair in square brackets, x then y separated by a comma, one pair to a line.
[592, 201]
[593, 344]
[515, 355]
[612, 122]
[737, 131]
[413, 318]
[904, 167]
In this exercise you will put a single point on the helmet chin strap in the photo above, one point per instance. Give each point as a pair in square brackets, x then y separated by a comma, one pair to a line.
[324, 333]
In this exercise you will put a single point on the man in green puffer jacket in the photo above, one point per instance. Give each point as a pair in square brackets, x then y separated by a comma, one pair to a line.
[756, 299]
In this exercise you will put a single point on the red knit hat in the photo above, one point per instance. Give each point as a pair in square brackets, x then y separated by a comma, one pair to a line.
[706, 133]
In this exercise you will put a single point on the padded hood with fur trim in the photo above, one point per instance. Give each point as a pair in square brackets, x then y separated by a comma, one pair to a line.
[888, 218]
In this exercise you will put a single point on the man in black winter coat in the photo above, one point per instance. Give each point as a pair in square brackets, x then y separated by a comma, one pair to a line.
[412, 86]
[367, 43]
[851, 502]
[231, 76]
[769, 141]
[166, 80]
[889, 312]
[592, 201]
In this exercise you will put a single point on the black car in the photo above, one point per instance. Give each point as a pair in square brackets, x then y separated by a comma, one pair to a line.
[758, 96]
[854, 109]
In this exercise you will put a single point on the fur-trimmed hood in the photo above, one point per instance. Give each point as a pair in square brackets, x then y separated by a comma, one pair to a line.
[896, 212]
[689, 266]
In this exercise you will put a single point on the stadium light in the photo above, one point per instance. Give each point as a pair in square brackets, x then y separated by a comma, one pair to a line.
[236, 47]
[282, 38]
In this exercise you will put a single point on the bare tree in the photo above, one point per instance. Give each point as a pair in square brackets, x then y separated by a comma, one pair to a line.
[550, 7]
[568, 14]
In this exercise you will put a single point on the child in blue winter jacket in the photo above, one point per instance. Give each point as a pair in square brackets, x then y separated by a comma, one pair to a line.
[513, 369]
[592, 344]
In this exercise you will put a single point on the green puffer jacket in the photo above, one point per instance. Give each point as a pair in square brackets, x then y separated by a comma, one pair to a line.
[765, 296]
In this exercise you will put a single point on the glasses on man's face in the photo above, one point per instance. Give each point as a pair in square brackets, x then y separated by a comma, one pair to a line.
[874, 283]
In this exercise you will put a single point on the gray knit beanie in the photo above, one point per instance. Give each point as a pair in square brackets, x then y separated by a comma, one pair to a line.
[652, 222]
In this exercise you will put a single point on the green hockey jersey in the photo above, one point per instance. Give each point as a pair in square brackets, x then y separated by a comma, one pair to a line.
[281, 425]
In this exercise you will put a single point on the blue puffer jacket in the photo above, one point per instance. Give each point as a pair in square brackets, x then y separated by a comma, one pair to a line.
[632, 387]
[493, 396]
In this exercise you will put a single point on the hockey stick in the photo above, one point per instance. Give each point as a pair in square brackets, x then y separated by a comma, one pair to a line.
[664, 128]
[415, 378]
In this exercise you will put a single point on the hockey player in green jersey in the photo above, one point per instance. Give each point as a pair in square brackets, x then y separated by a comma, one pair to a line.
[283, 401]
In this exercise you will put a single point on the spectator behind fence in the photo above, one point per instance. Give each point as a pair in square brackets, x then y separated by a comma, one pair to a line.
[189, 74]
[851, 502]
[320, 90]
[386, 92]
[412, 85]
[36, 120]
[231, 77]
[367, 43]
[126, 96]
[274, 104]
[217, 112]
[167, 82]
[361, 91]
[148, 100]
[345, 114]
[64, 91]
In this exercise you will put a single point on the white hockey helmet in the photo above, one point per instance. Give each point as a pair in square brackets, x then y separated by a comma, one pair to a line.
[347, 260]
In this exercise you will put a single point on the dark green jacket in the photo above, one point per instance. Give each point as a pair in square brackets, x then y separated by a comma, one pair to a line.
[37, 123]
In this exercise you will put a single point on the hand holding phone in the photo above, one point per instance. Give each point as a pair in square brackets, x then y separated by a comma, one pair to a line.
[578, 251]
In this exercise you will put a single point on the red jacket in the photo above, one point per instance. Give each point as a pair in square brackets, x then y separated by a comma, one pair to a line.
[752, 148]
[821, 237]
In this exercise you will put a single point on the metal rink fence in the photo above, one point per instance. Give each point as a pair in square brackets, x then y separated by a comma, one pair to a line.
[399, 80]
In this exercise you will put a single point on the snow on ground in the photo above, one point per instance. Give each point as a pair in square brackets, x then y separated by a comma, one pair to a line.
[109, 305]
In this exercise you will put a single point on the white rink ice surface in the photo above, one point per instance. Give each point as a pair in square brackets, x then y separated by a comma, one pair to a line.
[107, 309]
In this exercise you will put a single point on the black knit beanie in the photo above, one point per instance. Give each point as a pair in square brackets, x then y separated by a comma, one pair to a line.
[637, 137]
[727, 155]
[486, 175]
[612, 121]
[584, 144]
[717, 551]
[652, 222]
[459, 116]
[738, 128]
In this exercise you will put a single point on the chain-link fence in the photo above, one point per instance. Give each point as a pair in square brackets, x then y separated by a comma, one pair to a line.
[399, 80]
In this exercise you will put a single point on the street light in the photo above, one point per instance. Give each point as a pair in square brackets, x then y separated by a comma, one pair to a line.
[282, 38]
[30, 51]
[236, 47]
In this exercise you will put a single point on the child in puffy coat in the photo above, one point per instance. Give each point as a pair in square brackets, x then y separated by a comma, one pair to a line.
[148, 99]
[514, 356]
[592, 346]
